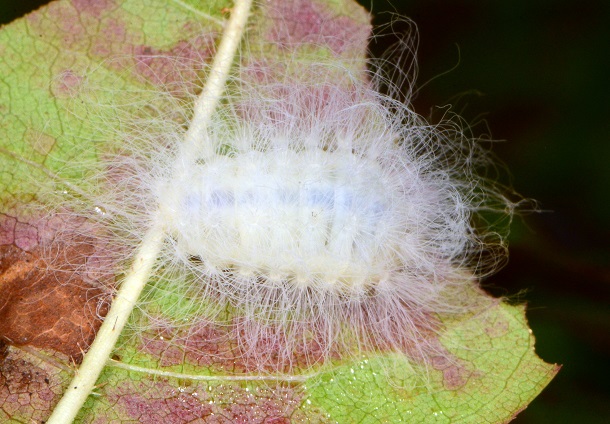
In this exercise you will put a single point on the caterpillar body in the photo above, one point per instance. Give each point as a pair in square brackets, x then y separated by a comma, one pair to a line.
[314, 218]
[276, 211]
[317, 213]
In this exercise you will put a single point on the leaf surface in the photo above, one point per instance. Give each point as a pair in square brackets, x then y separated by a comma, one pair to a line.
[45, 323]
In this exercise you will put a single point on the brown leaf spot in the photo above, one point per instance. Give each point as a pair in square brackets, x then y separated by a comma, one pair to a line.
[161, 402]
[87, 26]
[223, 348]
[26, 236]
[27, 391]
[176, 67]
[48, 309]
[497, 329]
[66, 84]
[455, 374]
[62, 22]
[92, 7]
[7, 229]
[14, 232]
[307, 22]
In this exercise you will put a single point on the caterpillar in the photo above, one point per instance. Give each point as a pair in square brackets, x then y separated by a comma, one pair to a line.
[309, 213]
[309, 219]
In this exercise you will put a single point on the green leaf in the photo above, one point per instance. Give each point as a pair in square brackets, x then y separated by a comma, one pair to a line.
[493, 375]
[492, 372]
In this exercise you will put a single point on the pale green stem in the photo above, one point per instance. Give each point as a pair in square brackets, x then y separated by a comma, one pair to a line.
[85, 377]
[219, 378]
[214, 87]
[198, 12]
[95, 359]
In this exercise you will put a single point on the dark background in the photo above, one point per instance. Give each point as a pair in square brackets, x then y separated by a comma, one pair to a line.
[535, 74]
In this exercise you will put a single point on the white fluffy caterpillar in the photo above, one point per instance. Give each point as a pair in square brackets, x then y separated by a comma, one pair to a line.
[301, 221]
[333, 197]
[321, 214]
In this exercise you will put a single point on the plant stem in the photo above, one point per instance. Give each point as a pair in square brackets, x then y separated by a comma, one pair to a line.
[98, 354]
[214, 87]
[94, 361]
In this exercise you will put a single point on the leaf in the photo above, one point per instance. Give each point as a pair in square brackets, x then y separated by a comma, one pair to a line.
[493, 372]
